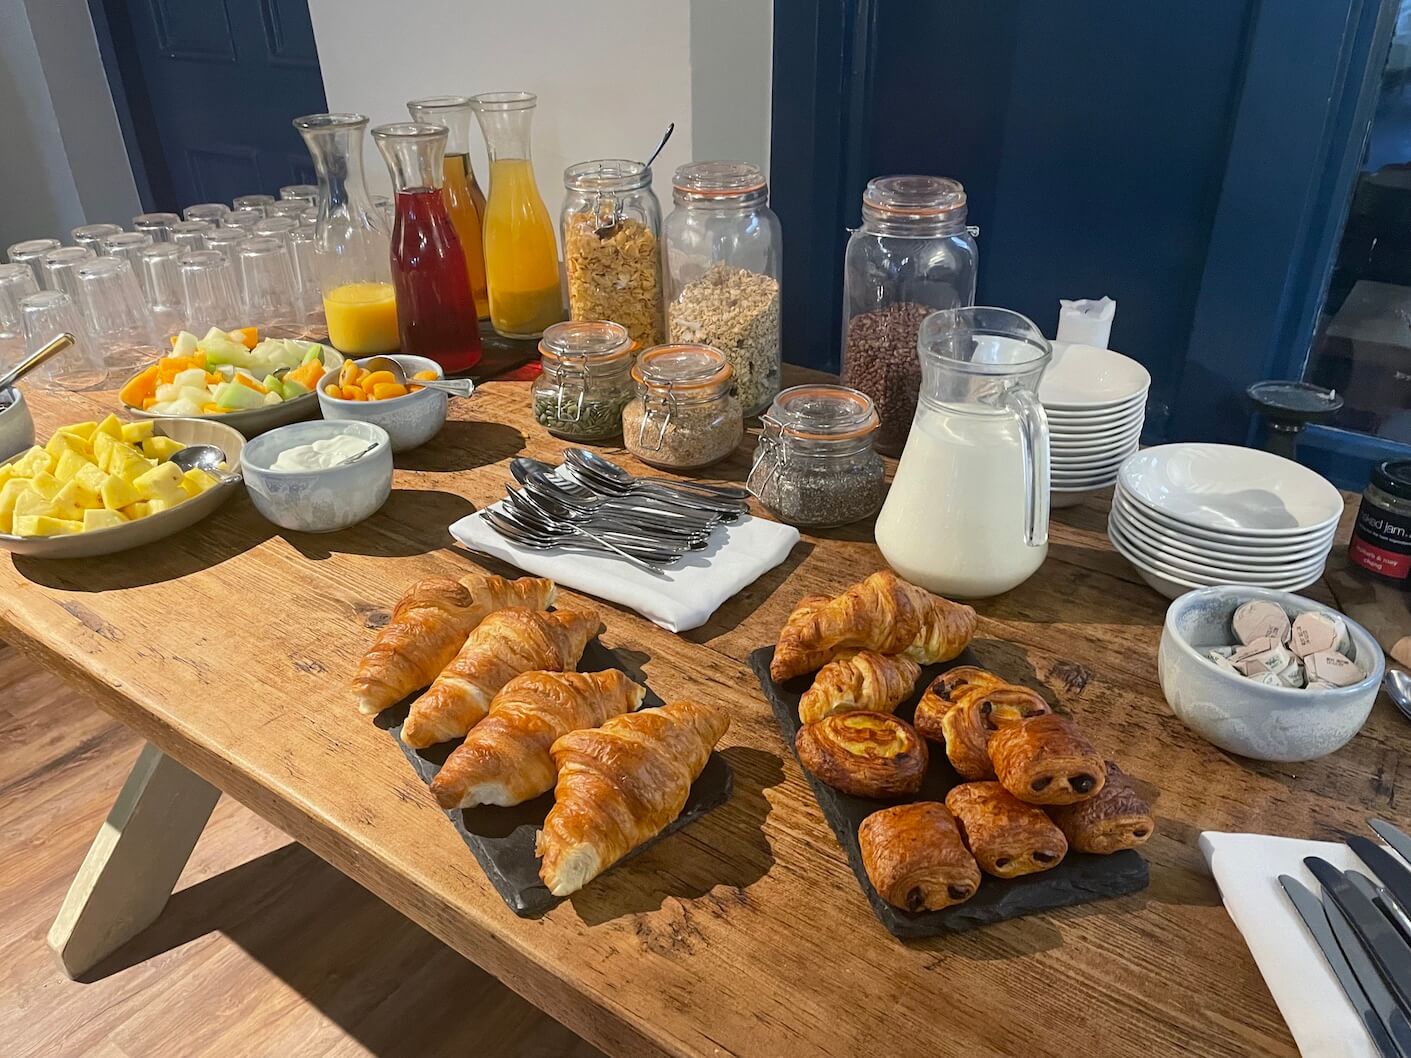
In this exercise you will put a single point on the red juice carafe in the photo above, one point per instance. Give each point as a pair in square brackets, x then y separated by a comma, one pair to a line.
[436, 314]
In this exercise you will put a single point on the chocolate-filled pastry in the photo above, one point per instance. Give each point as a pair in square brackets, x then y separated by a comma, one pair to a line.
[864, 754]
[1046, 761]
[915, 859]
[1007, 837]
[973, 721]
[945, 692]
[859, 679]
[1117, 818]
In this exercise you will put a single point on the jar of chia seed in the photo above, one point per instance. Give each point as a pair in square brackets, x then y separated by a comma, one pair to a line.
[815, 465]
[586, 379]
[685, 414]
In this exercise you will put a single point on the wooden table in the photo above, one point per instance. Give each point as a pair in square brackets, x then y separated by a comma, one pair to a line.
[229, 647]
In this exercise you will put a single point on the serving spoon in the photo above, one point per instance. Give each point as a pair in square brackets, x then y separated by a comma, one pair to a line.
[1398, 687]
[57, 344]
[456, 387]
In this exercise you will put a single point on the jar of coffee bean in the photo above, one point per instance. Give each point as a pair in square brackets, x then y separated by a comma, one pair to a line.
[913, 255]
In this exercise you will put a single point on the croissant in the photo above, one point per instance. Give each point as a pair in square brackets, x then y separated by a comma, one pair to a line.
[1117, 818]
[964, 708]
[1007, 837]
[1047, 761]
[859, 680]
[505, 644]
[915, 859]
[620, 785]
[429, 624]
[882, 613]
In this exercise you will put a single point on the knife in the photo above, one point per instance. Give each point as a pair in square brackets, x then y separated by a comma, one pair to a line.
[1393, 837]
[1394, 875]
[1382, 1001]
[1315, 917]
[1382, 898]
[1391, 954]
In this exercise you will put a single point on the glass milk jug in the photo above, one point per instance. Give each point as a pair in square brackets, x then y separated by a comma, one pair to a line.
[967, 515]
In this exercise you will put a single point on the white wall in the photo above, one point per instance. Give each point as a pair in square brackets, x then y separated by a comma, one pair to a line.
[610, 74]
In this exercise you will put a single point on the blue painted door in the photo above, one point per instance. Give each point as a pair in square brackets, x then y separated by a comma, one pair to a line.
[209, 88]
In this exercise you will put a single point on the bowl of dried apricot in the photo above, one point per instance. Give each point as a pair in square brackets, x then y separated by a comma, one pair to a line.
[411, 414]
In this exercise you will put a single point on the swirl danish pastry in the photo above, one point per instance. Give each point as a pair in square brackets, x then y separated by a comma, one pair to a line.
[864, 754]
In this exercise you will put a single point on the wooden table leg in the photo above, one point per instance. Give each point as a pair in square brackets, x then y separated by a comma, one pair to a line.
[134, 862]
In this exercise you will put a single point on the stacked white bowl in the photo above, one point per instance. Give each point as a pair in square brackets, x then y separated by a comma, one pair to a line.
[1193, 515]
[1095, 400]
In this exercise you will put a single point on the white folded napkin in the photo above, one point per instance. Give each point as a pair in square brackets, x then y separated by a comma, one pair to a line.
[682, 597]
[1247, 868]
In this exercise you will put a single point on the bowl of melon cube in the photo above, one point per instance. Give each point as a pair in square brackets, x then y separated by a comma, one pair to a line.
[96, 488]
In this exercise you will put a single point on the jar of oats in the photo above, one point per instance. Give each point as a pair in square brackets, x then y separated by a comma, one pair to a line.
[685, 414]
[611, 224]
[723, 256]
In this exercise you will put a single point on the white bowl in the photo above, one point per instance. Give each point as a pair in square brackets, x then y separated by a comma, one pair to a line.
[1062, 497]
[1062, 482]
[1240, 716]
[1168, 560]
[1084, 376]
[318, 501]
[1170, 581]
[410, 421]
[1242, 537]
[16, 426]
[1153, 530]
[1214, 486]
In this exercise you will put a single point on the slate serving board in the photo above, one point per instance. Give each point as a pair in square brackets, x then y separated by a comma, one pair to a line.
[502, 839]
[1079, 879]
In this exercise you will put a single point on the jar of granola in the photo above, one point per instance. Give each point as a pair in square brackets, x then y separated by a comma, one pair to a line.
[723, 256]
[611, 222]
[685, 414]
[586, 379]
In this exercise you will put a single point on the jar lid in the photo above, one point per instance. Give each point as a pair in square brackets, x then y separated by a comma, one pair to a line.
[718, 180]
[914, 198]
[823, 413]
[598, 341]
[1394, 476]
[682, 367]
[607, 174]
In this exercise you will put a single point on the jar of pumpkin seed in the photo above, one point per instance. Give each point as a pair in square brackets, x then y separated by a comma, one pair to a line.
[586, 379]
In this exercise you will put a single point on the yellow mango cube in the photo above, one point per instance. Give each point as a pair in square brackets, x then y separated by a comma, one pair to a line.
[116, 493]
[112, 426]
[82, 430]
[91, 478]
[101, 519]
[70, 463]
[135, 432]
[6, 473]
[63, 442]
[163, 480]
[30, 502]
[196, 481]
[127, 464]
[133, 511]
[161, 448]
[10, 492]
[66, 503]
[166, 501]
[43, 525]
[103, 445]
[46, 484]
[33, 462]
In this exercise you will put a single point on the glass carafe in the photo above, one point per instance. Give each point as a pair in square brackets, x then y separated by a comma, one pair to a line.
[351, 251]
[521, 257]
[465, 202]
[967, 515]
[435, 310]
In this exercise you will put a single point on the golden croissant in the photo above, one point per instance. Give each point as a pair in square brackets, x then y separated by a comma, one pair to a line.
[859, 680]
[505, 759]
[882, 613]
[505, 644]
[620, 785]
[429, 624]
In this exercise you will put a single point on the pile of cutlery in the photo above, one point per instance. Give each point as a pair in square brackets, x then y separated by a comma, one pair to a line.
[1364, 932]
[590, 503]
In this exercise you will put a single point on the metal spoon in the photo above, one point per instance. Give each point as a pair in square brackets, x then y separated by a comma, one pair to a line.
[53, 345]
[1398, 687]
[209, 458]
[643, 513]
[549, 541]
[602, 469]
[605, 228]
[456, 387]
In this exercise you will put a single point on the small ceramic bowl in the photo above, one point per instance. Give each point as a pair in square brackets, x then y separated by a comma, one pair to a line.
[1248, 718]
[410, 421]
[318, 501]
[16, 426]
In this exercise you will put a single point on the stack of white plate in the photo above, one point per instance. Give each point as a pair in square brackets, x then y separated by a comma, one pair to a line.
[1192, 515]
[1096, 402]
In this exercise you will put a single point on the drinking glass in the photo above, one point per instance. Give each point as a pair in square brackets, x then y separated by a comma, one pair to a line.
[208, 290]
[252, 202]
[29, 252]
[288, 207]
[157, 225]
[46, 315]
[91, 235]
[267, 276]
[161, 282]
[210, 211]
[245, 218]
[116, 314]
[125, 244]
[226, 240]
[300, 193]
[16, 283]
[191, 234]
[59, 267]
[276, 228]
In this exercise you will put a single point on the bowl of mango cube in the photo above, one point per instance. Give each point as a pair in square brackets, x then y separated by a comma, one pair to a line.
[96, 488]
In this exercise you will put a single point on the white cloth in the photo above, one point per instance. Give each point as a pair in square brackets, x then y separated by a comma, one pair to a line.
[682, 597]
[1247, 868]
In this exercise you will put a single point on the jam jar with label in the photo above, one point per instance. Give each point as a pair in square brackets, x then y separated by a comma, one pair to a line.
[1381, 537]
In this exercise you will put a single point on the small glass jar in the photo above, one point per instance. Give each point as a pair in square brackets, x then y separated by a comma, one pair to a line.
[611, 226]
[586, 379]
[685, 414]
[815, 465]
[723, 257]
[913, 255]
[1381, 536]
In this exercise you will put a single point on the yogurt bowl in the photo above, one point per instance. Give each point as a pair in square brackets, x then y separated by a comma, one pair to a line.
[318, 499]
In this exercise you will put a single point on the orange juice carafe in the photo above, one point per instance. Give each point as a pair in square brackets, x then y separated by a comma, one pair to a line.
[521, 256]
[352, 254]
[465, 202]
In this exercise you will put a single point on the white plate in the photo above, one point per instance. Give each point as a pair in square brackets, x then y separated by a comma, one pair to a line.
[1090, 464]
[1225, 487]
[1059, 498]
[1242, 537]
[1125, 418]
[1231, 569]
[1134, 518]
[1173, 586]
[1097, 438]
[1084, 376]
[1109, 411]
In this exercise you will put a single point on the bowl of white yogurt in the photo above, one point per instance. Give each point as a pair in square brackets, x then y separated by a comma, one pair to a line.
[319, 476]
